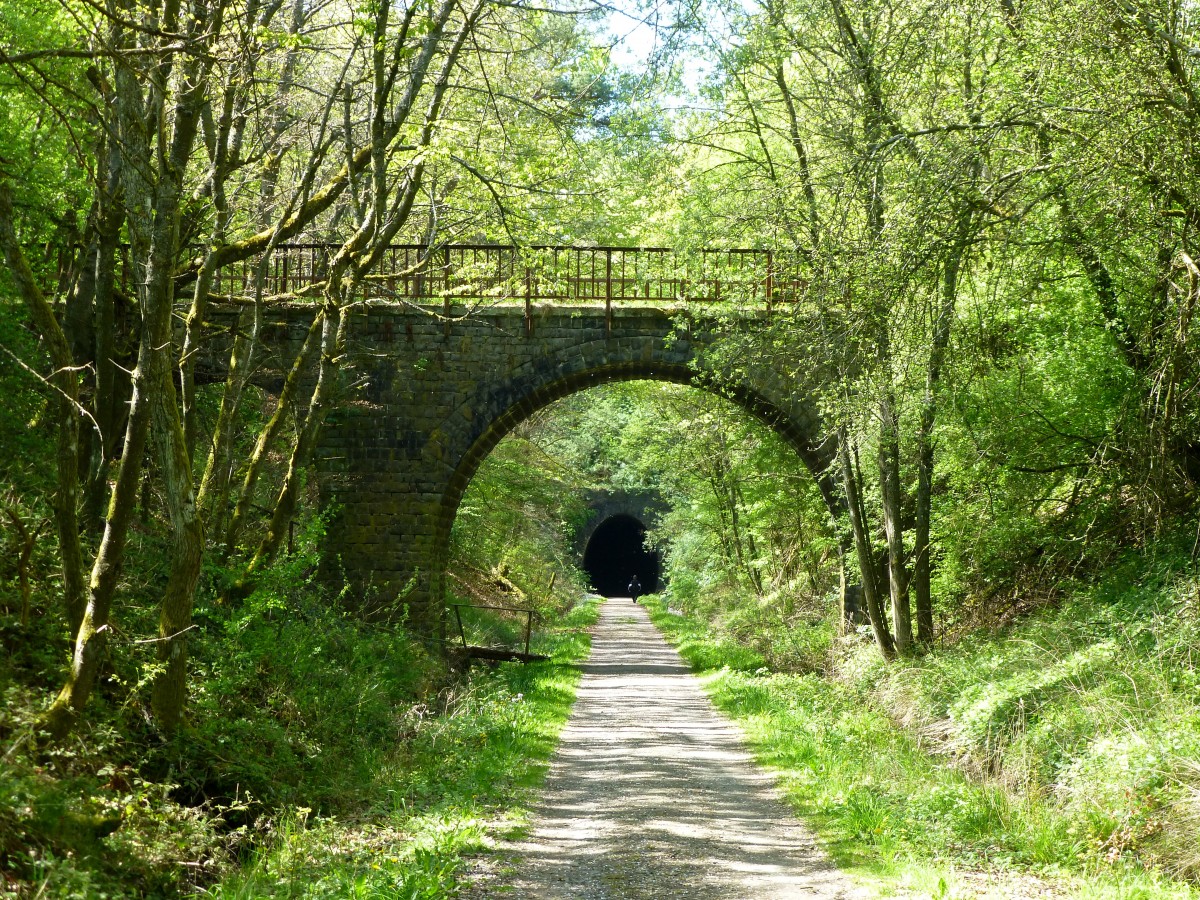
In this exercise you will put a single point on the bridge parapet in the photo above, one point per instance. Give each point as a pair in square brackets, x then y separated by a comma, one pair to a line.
[487, 274]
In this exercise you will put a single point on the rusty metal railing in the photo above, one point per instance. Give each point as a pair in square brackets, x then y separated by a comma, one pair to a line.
[493, 653]
[495, 274]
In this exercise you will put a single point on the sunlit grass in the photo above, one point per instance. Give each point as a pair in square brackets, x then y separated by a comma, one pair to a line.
[457, 780]
[1005, 771]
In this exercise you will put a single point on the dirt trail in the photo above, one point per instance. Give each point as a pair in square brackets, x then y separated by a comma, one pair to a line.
[652, 795]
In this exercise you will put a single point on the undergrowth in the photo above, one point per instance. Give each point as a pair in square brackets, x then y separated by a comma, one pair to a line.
[323, 756]
[1065, 744]
[440, 793]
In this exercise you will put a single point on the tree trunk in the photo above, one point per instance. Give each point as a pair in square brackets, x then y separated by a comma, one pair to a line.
[921, 563]
[65, 382]
[266, 438]
[92, 633]
[214, 484]
[925, 451]
[187, 549]
[332, 336]
[175, 614]
[890, 495]
[107, 406]
[862, 546]
[153, 197]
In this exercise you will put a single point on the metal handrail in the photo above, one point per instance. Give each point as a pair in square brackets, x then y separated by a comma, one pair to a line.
[501, 274]
[529, 614]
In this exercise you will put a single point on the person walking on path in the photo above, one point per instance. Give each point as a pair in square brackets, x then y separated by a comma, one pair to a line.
[635, 588]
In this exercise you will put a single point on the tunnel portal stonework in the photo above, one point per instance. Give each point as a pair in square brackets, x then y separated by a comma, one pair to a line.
[645, 506]
[430, 397]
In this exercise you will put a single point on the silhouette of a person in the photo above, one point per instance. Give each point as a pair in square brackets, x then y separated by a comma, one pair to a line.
[635, 588]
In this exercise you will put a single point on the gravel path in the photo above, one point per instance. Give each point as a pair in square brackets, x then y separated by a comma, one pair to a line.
[652, 795]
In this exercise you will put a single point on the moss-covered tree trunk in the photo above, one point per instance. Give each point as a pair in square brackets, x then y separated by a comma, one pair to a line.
[153, 163]
[92, 634]
[65, 382]
[862, 548]
[187, 551]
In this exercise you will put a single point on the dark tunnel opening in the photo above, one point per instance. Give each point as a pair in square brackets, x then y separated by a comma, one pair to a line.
[615, 553]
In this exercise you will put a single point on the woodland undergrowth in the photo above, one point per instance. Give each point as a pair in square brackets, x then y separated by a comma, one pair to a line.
[323, 756]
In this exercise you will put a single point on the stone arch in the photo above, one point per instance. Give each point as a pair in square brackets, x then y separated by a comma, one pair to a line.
[495, 410]
[644, 506]
[433, 395]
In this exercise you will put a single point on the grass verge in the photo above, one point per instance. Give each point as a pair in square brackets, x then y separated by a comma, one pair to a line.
[452, 782]
[900, 806]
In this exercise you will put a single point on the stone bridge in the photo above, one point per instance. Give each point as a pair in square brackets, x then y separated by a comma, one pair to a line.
[435, 387]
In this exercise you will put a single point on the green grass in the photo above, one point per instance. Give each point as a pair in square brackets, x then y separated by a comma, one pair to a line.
[458, 779]
[320, 759]
[1059, 748]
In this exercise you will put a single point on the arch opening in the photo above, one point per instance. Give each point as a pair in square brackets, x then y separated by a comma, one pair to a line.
[499, 411]
[518, 405]
[616, 552]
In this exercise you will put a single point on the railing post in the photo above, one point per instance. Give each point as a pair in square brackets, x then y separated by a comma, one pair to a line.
[770, 282]
[528, 629]
[608, 314]
[528, 302]
[446, 295]
[461, 633]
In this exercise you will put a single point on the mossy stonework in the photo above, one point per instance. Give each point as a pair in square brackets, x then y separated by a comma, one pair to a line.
[428, 397]
[602, 505]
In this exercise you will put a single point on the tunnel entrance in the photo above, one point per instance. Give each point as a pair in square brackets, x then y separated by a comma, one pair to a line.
[615, 553]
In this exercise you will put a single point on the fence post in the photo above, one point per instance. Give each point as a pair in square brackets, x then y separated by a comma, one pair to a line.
[608, 314]
[528, 302]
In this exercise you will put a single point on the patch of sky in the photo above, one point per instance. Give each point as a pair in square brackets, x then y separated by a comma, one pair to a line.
[678, 39]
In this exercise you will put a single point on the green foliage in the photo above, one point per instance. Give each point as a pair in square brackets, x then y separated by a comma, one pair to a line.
[510, 545]
[746, 537]
[37, 146]
[702, 649]
[25, 472]
[1017, 180]
[1093, 704]
[439, 792]
[322, 755]
[1065, 742]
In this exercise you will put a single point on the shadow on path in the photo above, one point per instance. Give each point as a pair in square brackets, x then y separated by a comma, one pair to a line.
[652, 795]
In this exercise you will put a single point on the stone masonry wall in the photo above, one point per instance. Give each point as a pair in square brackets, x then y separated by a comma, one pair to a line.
[429, 399]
